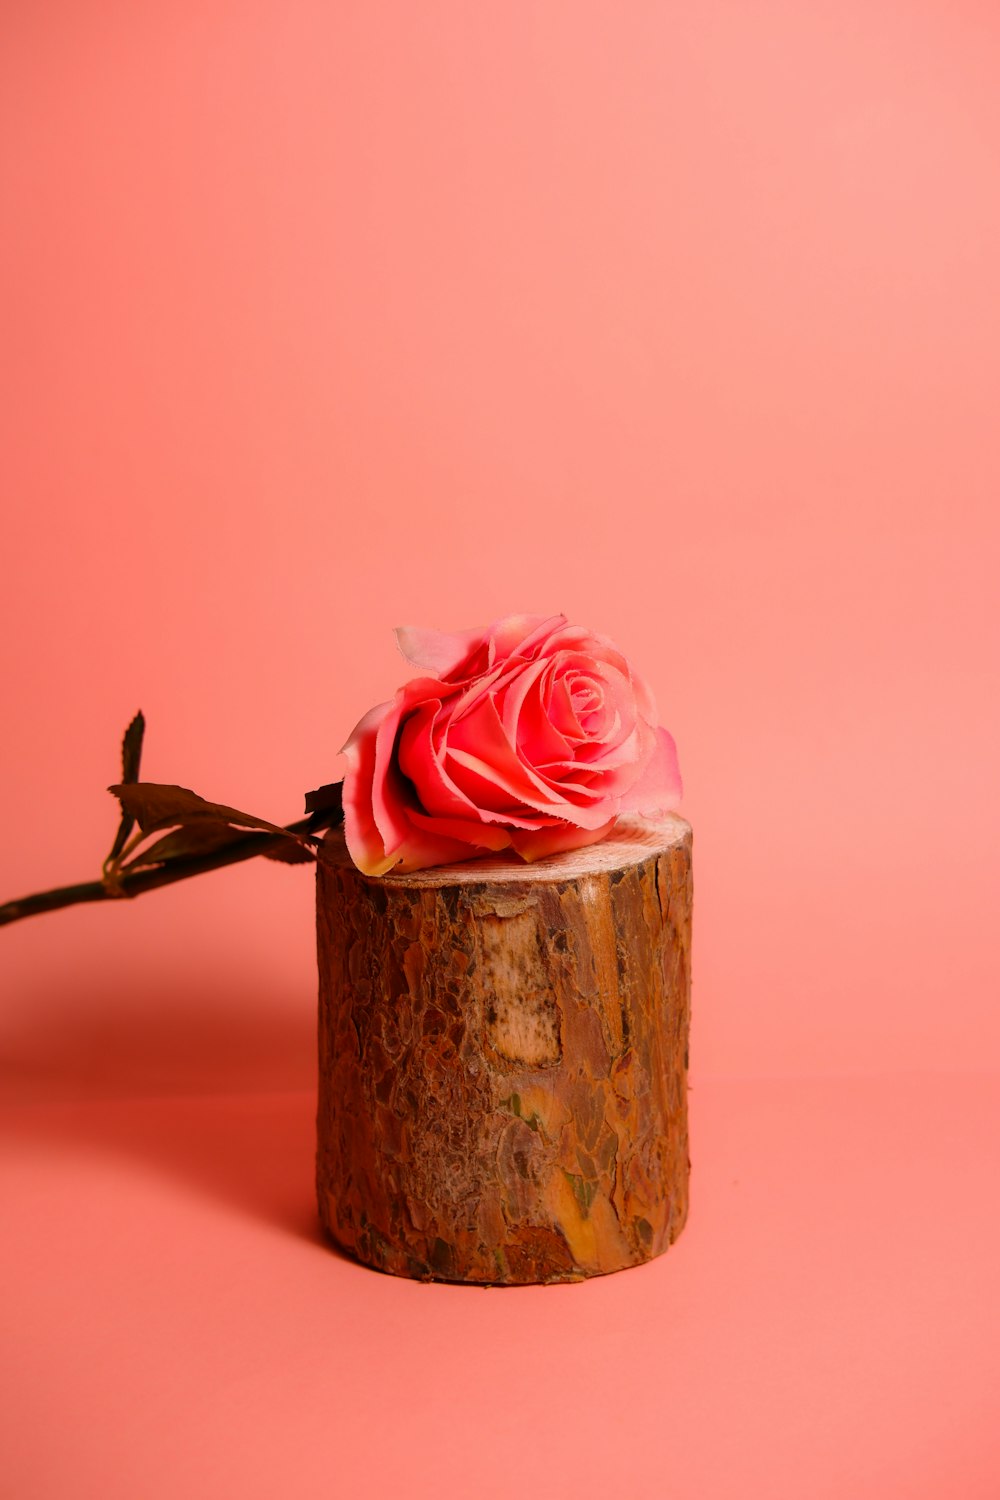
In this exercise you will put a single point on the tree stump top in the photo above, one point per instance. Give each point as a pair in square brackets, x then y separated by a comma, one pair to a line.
[632, 840]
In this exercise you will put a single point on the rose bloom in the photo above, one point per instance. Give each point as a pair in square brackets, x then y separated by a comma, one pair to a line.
[531, 735]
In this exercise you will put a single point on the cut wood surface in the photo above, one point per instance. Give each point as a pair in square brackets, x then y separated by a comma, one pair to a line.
[503, 1059]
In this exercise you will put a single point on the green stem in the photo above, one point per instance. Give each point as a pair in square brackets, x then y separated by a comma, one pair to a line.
[246, 846]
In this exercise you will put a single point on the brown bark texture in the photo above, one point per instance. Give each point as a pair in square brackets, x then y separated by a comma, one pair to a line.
[503, 1056]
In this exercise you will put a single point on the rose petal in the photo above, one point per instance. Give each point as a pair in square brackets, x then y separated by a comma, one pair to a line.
[389, 794]
[422, 849]
[364, 841]
[489, 682]
[554, 840]
[420, 759]
[437, 651]
[525, 722]
[480, 742]
[521, 635]
[577, 638]
[485, 788]
[562, 714]
[480, 835]
[616, 689]
[630, 752]
[659, 787]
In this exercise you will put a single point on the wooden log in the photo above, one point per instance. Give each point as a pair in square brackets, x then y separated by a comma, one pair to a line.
[503, 1059]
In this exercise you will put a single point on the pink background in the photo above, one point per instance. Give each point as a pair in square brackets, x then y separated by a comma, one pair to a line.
[682, 319]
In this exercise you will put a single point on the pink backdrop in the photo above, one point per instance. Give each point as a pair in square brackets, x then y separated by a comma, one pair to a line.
[682, 319]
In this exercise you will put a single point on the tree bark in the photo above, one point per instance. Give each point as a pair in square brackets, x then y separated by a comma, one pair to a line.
[503, 1059]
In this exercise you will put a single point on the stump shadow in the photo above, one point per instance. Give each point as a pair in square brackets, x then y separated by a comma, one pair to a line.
[214, 1091]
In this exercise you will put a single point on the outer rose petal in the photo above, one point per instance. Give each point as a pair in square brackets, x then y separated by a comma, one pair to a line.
[482, 836]
[388, 791]
[364, 842]
[532, 846]
[421, 849]
[659, 787]
[437, 651]
[444, 652]
[522, 635]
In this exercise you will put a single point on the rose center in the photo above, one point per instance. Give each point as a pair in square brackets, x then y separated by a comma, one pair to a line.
[587, 698]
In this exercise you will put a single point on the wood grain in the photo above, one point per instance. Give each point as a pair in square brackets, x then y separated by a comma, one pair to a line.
[503, 1059]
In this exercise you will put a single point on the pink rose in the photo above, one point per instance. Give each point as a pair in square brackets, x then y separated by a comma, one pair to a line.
[533, 734]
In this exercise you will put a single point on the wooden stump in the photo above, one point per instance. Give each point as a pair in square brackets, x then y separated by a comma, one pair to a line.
[503, 1059]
